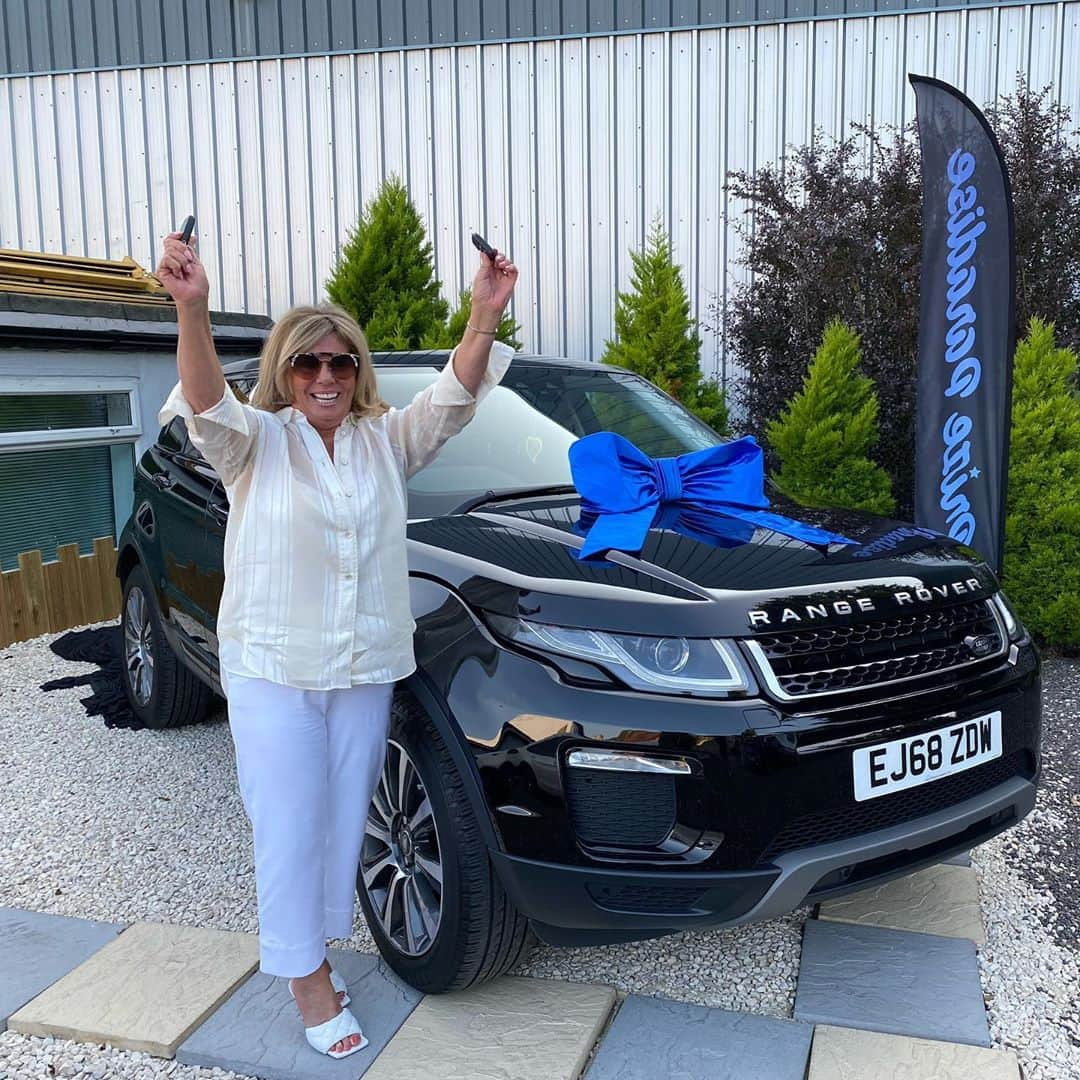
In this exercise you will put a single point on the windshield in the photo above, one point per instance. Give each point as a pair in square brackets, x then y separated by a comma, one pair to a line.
[520, 435]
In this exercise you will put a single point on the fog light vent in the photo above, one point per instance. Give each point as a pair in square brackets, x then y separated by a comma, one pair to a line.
[647, 899]
[625, 809]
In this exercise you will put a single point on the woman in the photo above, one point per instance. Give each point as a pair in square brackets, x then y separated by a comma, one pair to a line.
[314, 624]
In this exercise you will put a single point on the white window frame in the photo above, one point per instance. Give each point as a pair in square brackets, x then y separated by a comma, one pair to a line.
[22, 441]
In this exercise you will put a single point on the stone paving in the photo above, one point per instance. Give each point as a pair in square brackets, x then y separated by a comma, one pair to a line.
[689, 1042]
[940, 900]
[892, 981]
[530, 1029]
[38, 949]
[844, 1054]
[888, 990]
[257, 1032]
[147, 989]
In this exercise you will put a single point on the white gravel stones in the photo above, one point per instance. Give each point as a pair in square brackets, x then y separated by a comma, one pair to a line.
[24, 1057]
[115, 824]
[123, 825]
[1031, 983]
[745, 969]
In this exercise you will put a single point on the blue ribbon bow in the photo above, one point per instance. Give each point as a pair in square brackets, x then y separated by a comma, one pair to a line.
[716, 494]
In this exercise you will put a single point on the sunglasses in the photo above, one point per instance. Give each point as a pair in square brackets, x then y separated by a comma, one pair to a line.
[307, 364]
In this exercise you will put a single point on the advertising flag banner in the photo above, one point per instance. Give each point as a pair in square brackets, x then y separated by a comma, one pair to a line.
[966, 323]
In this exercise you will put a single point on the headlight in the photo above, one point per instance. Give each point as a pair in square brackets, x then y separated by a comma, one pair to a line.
[698, 665]
[1013, 627]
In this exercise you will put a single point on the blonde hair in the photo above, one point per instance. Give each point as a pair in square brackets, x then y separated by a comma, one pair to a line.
[297, 331]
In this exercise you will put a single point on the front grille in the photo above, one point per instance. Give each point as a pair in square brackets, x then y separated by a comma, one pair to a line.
[623, 809]
[880, 813]
[835, 659]
[657, 899]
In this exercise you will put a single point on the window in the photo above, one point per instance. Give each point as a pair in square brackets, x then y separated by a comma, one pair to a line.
[52, 497]
[53, 411]
[521, 435]
[66, 462]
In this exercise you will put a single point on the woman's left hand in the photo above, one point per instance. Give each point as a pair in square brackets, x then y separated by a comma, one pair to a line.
[492, 288]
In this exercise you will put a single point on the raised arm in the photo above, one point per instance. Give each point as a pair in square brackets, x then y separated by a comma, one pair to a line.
[478, 363]
[220, 426]
[441, 410]
[184, 278]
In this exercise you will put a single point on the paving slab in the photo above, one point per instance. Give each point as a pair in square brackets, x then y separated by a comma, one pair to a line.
[938, 900]
[653, 1037]
[513, 1027]
[963, 859]
[36, 949]
[259, 1032]
[146, 990]
[893, 981]
[846, 1054]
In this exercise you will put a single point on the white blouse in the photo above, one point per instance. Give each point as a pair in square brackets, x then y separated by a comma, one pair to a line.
[316, 590]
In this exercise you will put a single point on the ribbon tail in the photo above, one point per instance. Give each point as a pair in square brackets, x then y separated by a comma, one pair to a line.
[626, 532]
[710, 527]
[799, 530]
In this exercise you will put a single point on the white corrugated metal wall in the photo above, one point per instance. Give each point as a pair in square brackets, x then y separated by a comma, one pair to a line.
[561, 151]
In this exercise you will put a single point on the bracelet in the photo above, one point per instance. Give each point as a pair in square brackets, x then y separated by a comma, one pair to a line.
[477, 329]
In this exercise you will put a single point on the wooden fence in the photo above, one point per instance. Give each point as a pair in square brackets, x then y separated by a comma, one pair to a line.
[46, 597]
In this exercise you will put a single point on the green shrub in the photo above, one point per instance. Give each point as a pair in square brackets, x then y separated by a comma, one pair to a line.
[447, 336]
[656, 338]
[385, 277]
[1041, 574]
[827, 236]
[824, 437]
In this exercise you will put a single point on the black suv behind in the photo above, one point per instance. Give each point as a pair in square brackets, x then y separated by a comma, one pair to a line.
[695, 736]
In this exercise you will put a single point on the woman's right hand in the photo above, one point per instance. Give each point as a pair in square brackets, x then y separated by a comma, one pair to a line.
[181, 272]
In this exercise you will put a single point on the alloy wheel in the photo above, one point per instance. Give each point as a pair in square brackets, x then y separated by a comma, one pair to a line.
[400, 864]
[138, 646]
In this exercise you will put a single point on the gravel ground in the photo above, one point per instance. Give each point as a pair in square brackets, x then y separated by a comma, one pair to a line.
[1056, 870]
[121, 825]
[1030, 894]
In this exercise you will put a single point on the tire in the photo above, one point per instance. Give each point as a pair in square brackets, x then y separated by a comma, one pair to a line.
[161, 691]
[478, 934]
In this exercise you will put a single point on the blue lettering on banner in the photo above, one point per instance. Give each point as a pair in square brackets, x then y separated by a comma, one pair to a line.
[964, 227]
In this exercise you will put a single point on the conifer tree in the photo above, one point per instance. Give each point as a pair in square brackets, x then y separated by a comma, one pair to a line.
[1042, 524]
[449, 335]
[655, 336]
[824, 436]
[385, 277]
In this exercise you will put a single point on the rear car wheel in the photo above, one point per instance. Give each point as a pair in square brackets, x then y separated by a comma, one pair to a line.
[435, 906]
[161, 691]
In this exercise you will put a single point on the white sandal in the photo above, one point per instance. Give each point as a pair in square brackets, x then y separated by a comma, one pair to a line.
[337, 982]
[322, 1037]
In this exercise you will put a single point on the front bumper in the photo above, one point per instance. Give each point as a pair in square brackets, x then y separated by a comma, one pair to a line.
[763, 822]
[577, 905]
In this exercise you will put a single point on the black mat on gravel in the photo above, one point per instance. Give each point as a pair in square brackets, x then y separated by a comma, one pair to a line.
[102, 646]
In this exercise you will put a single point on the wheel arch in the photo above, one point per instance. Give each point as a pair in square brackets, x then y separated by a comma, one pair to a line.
[126, 561]
[129, 556]
[439, 713]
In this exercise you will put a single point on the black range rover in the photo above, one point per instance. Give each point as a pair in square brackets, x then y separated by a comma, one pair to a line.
[695, 736]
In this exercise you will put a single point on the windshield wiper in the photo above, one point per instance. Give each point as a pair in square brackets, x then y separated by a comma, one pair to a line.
[493, 495]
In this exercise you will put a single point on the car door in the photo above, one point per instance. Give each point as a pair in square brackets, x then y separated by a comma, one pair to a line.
[181, 482]
[217, 515]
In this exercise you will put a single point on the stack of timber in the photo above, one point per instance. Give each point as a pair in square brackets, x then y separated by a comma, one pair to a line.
[75, 278]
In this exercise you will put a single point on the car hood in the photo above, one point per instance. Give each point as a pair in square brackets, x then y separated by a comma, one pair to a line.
[517, 558]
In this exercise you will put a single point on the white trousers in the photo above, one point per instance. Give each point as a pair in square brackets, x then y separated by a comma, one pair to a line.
[307, 762]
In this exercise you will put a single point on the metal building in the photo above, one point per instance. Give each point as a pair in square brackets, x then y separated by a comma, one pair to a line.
[558, 128]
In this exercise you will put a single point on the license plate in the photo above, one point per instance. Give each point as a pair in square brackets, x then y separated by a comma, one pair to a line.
[918, 759]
